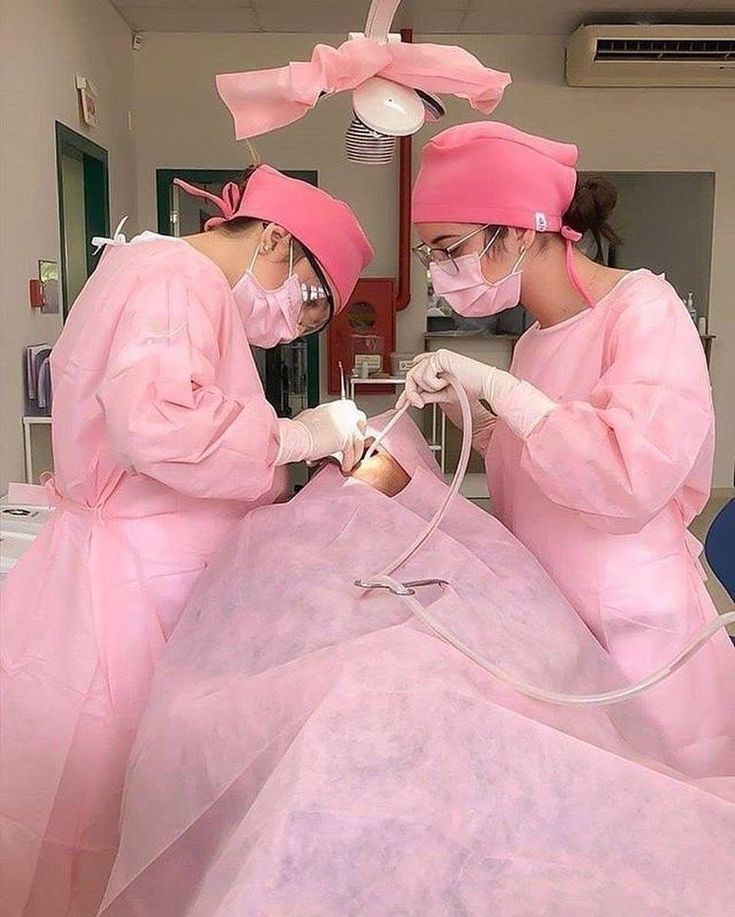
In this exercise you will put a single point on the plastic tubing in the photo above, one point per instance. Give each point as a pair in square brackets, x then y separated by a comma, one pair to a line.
[604, 698]
[384, 432]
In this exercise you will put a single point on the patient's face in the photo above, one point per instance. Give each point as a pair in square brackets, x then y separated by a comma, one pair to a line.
[382, 472]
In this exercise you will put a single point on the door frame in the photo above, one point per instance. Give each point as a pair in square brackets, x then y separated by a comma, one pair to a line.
[164, 180]
[95, 166]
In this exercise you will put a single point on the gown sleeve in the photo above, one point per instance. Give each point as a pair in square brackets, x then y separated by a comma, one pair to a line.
[167, 414]
[621, 455]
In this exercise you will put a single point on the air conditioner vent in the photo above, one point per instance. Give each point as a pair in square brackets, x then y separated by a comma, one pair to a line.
[689, 56]
[627, 49]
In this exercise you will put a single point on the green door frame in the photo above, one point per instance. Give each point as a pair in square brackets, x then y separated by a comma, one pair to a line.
[164, 180]
[96, 196]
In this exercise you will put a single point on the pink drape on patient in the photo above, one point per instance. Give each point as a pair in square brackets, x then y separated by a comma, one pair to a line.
[310, 749]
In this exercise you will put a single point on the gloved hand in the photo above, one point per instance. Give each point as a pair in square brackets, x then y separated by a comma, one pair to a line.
[520, 404]
[483, 421]
[426, 381]
[334, 427]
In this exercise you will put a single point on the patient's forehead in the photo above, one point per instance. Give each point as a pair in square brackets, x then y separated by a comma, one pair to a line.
[405, 443]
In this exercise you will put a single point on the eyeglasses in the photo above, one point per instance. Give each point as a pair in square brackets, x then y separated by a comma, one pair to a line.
[428, 255]
[317, 310]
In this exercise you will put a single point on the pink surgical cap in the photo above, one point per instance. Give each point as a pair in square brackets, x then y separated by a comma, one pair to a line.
[326, 226]
[489, 172]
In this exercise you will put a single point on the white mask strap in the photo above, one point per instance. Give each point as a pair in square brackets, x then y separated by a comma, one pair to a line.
[520, 258]
[290, 257]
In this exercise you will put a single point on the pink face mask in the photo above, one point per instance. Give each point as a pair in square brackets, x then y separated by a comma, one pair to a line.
[270, 317]
[467, 291]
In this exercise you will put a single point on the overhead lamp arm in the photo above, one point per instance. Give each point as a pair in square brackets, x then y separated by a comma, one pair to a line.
[380, 18]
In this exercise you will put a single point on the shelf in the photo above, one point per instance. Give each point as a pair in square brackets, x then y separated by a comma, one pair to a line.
[470, 334]
[30, 422]
[375, 380]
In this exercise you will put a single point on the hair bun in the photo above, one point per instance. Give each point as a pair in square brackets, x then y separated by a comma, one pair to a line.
[602, 193]
[593, 203]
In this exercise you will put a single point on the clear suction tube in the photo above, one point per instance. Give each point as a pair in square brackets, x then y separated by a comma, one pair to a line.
[386, 580]
[573, 700]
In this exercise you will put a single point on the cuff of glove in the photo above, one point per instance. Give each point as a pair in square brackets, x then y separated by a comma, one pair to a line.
[522, 406]
[295, 443]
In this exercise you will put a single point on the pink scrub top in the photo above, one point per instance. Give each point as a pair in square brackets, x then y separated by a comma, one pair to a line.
[604, 488]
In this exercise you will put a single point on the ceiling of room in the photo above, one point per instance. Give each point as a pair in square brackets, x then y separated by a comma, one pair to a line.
[540, 17]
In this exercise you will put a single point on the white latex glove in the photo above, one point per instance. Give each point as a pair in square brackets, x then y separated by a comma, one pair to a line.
[334, 427]
[483, 421]
[427, 377]
[521, 405]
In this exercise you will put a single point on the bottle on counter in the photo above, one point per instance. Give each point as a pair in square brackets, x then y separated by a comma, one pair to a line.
[691, 309]
[702, 325]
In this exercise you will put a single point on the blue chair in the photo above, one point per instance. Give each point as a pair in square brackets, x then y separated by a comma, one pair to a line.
[719, 547]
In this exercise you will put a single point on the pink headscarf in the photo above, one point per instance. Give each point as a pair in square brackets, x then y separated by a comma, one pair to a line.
[490, 172]
[324, 225]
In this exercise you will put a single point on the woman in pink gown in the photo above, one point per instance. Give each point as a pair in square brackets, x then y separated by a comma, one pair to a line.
[599, 447]
[313, 749]
[163, 440]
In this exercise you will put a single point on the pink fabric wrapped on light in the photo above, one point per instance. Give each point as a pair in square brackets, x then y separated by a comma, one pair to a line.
[262, 100]
[312, 749]
[326, 226]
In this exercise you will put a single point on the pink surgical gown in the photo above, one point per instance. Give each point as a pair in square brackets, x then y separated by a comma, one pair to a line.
[604, 488]
[163, 439]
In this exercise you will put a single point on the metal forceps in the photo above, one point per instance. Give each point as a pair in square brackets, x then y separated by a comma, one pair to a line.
[342, 382]
[396, 587]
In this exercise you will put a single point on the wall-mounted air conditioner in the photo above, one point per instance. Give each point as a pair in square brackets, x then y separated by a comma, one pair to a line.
[652, 55]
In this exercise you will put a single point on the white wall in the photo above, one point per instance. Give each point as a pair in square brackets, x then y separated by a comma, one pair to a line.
[43, 45]
[180, 122]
